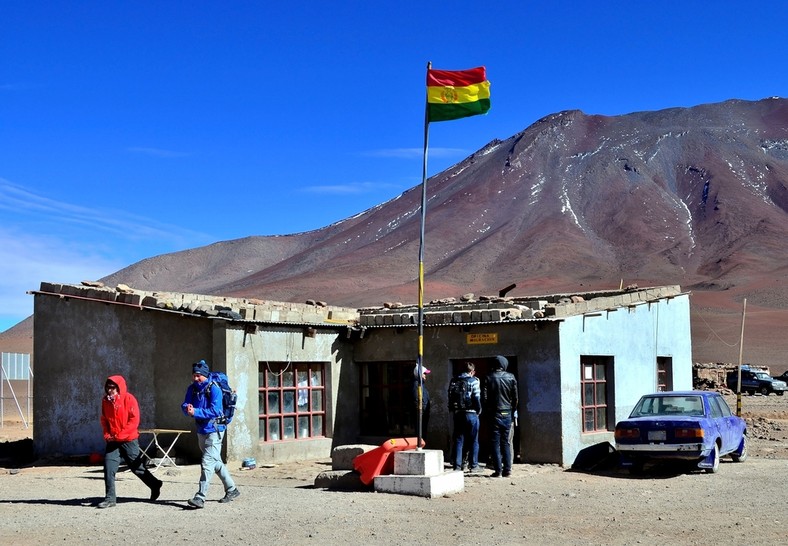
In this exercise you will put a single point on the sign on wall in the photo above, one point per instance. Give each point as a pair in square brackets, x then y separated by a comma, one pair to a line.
[482, 339]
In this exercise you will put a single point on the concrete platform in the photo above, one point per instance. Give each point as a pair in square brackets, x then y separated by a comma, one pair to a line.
[439, 485]
[420, 473]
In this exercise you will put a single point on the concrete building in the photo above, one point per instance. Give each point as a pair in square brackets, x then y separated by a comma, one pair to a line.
[311, 376]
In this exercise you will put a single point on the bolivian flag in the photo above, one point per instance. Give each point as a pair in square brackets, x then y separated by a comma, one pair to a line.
[454, 94]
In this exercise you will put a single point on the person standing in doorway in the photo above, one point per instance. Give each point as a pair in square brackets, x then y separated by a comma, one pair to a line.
[465, 404]
[203, 401]
[499, 398]
[120, 421]
[425, 399]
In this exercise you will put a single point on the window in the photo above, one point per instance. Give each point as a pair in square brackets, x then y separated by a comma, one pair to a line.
[594, 383]
[387, 404]
[664, 373]
[292, 401]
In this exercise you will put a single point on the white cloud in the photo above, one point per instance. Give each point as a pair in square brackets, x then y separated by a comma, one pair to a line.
[42, 239]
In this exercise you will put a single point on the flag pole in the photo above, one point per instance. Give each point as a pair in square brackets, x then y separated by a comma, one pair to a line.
[420, 357]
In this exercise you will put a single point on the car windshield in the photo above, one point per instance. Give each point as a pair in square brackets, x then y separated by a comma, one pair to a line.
[668, 405]
[763, 375]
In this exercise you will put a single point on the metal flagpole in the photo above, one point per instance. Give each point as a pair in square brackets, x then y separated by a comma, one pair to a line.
[420, 357]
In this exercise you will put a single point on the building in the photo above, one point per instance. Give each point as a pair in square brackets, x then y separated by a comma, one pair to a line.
[311, 376]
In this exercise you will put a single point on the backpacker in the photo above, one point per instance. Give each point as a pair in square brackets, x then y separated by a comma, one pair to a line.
[460, 394]
[229, 397]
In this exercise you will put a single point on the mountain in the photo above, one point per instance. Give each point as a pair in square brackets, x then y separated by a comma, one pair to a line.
[692, 196]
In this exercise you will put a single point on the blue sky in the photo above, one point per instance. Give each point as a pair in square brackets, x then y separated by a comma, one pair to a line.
[133, 129]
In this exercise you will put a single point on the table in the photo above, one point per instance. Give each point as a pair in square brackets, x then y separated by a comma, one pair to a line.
[156, 432]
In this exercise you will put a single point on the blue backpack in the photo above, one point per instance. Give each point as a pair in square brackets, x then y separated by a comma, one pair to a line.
[229, 397]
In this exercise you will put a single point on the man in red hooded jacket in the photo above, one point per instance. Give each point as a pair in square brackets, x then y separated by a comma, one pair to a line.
[120, 418]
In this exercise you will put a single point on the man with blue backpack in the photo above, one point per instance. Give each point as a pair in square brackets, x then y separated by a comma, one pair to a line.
[204, 401]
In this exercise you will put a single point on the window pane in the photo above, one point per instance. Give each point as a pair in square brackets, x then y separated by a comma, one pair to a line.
[287, 379]
[316, 378]
[289, 400]
[272, 378]
[302, 377]
[601, 419]
[261, 379]
[273, 430]
[303, 399]
[600, 371]
[317, 425]
[273, 402]
[261, 429]
[317, 400]
[588, 373]
[588, 394]
[601, 398]
[261, 403]
[303, 426]
[289, 428]
[588, 419]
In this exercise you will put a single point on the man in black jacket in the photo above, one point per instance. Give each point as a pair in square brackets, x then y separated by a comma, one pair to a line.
[499, 399]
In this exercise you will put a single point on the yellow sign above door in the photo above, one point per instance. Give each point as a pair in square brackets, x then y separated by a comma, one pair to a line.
[481, 339]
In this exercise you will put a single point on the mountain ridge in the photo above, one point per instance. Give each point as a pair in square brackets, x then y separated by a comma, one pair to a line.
[693, 196]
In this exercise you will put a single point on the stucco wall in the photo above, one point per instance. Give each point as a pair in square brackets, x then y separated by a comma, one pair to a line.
[533, 348]
[286, 344]
[634, 336]
[79, 344]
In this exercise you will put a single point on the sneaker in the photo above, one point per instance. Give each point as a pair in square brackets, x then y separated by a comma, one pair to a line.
[196, 502]
[155, 491]
[106, 503]
[231, 495]
[475, 470]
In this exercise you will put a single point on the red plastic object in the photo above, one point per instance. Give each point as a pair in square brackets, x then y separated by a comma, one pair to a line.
[379, 461]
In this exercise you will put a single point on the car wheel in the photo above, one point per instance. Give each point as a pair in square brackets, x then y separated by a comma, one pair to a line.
[740, 455]
[765, 391]
[716, 458]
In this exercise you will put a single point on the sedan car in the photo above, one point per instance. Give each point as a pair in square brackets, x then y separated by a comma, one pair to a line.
[692, 426]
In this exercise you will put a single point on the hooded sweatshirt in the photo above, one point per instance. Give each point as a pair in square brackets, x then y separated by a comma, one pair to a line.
[120, 415]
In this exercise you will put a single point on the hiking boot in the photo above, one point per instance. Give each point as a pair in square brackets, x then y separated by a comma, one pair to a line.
[231, 495]
[106, 503]
[155, 491]
[196, 502]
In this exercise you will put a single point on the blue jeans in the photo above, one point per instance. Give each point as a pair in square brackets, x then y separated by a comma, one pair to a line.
[211, 447]
[502, 459]
[466, 434]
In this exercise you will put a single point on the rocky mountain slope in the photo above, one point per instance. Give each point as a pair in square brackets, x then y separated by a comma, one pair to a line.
[692, 196]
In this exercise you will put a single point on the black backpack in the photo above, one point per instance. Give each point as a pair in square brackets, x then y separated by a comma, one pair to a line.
[460, 394]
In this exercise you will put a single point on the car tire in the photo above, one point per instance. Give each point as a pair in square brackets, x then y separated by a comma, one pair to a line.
[716, 458]
[740, 455]
[765, 391]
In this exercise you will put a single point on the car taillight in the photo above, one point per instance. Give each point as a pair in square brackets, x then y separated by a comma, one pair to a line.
[688, 433]
[627, 433]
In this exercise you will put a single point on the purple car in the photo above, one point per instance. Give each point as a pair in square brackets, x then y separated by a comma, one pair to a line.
[691, 426]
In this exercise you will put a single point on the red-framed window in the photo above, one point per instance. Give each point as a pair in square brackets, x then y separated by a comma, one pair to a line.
[292, 400]
[595, 383]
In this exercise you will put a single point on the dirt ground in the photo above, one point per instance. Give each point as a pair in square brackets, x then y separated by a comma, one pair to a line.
[51, 501]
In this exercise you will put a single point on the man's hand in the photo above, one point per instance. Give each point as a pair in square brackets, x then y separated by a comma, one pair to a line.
[190, 410]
